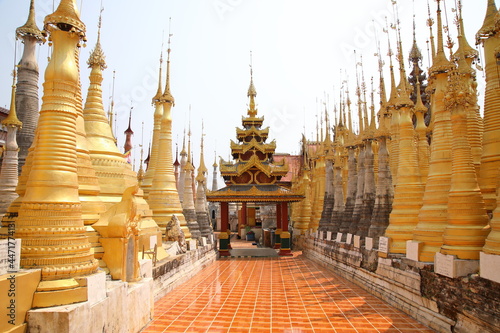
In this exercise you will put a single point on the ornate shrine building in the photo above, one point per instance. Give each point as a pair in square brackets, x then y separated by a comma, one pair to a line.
[253, 178]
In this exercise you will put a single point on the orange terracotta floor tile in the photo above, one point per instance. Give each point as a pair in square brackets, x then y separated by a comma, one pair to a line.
[265, 295]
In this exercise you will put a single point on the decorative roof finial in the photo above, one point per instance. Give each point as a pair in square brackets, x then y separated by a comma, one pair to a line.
[252, 93]
[430, 23]
[97, 56]
[440, 63]
[159, 92]
[463, 46]
[11, 119]
[189, 137]
[202, 169]
[167, 95]
[404, 86]
[394, 92]
[129, 129]
[415, 54]
[30, 28]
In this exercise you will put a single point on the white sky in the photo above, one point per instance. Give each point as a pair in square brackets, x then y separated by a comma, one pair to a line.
[299, 49]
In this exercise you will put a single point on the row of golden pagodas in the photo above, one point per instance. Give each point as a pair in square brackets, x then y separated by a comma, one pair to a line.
[429, 172]
[77, 204]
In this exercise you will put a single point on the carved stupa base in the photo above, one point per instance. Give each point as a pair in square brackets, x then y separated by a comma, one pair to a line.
[69, 291]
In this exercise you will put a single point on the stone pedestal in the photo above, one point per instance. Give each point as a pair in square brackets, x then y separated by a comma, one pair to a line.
[349, 238]
[369, 243]
[413, 249]
[192, 244]
[490, 266]
[126, 308]
[339, 237]
[383, 245]
[357, 241]
[146, 268]
[450, 266]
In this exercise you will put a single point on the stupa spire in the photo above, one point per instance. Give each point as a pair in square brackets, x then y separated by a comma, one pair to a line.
[128, 137]
[8, 172]
[27, 101]
[97, 56]
[159, 92]
[163, 197]
[214, 179]
[439, 61]
[430, 23]
[415, 54]
[157, 101]
[463, 45]
[202, 169]
[404, 86]
[167, 95]
[252, 93]
[30, 28]
[11, 120]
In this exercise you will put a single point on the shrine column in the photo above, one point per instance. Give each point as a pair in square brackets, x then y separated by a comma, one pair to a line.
[285, 235]
[242, 219]
[277, 234]
[223, 235]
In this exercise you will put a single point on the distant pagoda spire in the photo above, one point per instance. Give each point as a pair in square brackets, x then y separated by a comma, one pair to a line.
[127, 147]
[8, 173]
[430, 23]
[27, 102]
[215, 187]
[153, 161]
[188, 207]
[202, 216]
[163, 197]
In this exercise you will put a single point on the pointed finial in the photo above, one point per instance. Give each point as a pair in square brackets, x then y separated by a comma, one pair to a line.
[189, 136]
[252, 93]
[419, 105]
[363, 90]
[183, 150]
[415, 54]
[11, 119]
[129, 129]
[394, 93]
[440, 63]
[159, 93]
[167, 95]
[202, 169]
[215, 159]
[97, 57]
[403, 88]
[30, 28]
[111, 107]
[372, 108]
[430, 23]
[463, 46]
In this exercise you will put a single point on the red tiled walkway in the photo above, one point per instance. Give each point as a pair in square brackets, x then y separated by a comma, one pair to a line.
[290, 295]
